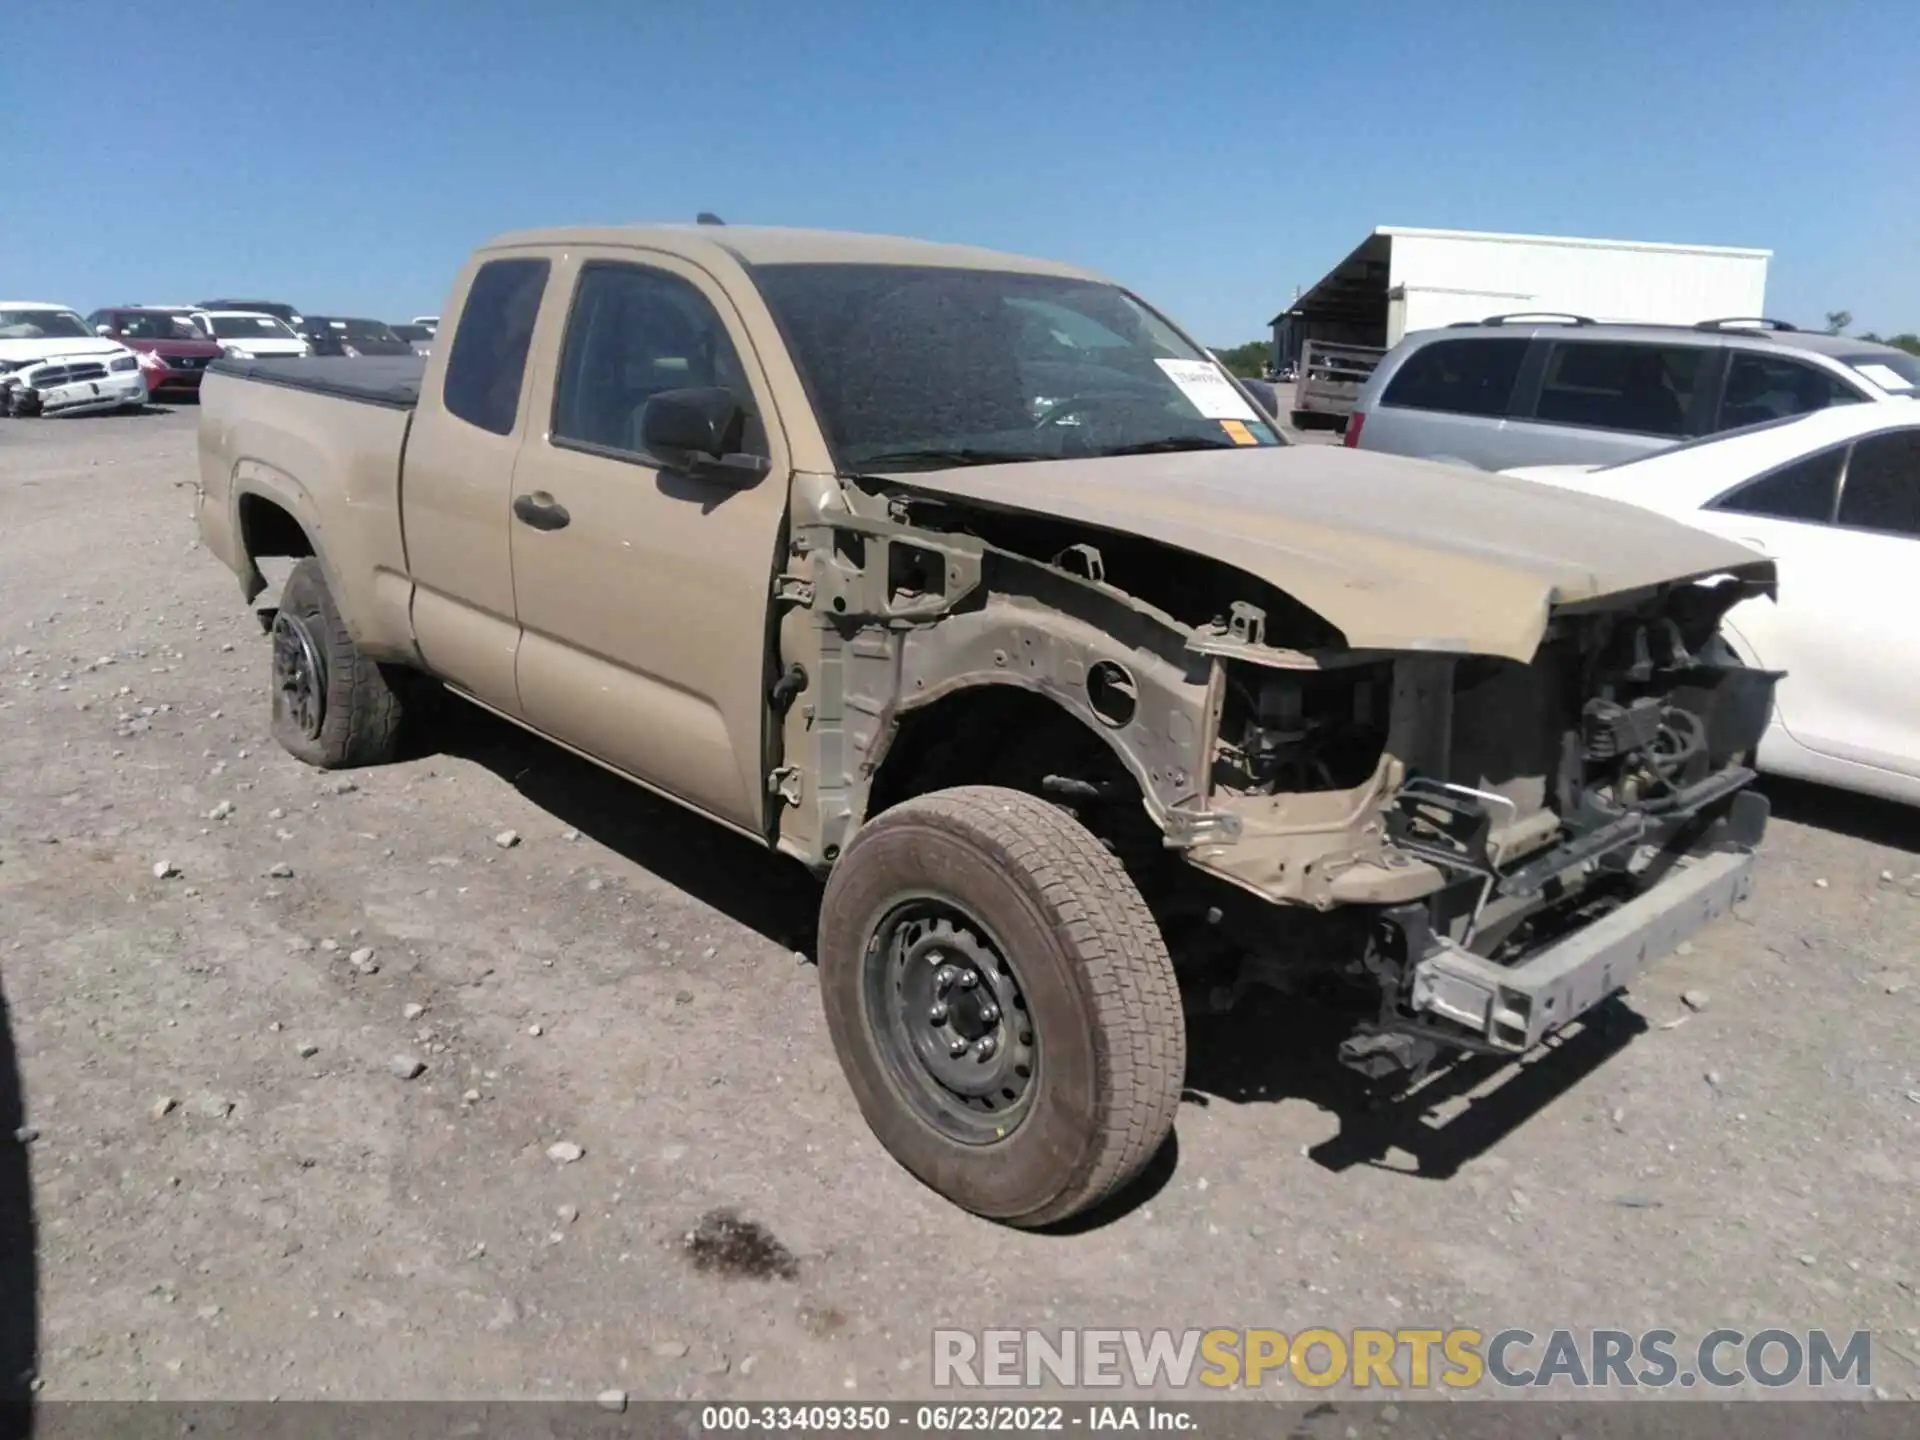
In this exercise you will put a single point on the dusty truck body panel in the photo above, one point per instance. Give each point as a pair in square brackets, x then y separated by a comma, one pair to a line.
[271, 447]
[866, 547]
[1394, 557]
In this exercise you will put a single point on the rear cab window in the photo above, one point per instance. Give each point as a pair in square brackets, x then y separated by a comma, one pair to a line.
[490, 343]
[1460, 377]
[1643, 389]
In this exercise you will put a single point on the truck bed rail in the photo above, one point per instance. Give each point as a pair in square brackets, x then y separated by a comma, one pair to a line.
[389, 380]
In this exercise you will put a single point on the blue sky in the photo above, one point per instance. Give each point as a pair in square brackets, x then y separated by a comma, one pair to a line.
[344, 155]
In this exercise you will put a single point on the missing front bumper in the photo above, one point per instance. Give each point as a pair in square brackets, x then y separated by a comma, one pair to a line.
[1512, 1008]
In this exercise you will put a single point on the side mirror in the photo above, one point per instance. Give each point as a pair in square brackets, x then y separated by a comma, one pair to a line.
[103, 329]
[700, 431]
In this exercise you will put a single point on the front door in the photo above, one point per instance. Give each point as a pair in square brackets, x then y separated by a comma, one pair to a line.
[644, 593]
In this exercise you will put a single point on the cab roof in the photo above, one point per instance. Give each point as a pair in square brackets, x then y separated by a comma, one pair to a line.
[753, 245]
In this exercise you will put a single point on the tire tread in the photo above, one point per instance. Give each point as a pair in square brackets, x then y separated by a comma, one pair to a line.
[1140, 1030]
[364, 710]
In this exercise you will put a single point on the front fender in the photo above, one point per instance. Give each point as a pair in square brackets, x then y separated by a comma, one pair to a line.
[1160, 736]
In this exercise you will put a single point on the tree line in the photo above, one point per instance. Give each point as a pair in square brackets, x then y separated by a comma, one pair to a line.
[1839, 320]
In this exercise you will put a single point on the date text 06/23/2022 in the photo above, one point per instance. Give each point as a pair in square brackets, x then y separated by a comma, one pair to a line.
[944, 1419]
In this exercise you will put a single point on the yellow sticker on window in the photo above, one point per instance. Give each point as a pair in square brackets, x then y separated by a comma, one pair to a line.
[1238, 432]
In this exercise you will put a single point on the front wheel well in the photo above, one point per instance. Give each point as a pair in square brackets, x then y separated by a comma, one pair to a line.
[990, 735]
[1017, 739]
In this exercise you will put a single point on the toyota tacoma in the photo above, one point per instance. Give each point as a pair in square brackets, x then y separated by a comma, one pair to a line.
[972, 583]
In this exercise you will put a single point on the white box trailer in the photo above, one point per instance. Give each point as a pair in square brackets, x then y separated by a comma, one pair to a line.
[1439, 277]
[1400, 279]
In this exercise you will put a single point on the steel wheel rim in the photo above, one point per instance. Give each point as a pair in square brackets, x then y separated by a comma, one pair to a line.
[946, 1006]
[299, 675]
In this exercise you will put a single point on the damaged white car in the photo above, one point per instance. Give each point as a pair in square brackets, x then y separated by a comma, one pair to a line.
[51, 363]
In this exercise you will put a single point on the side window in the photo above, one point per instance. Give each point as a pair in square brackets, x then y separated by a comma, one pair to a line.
[632, 333]
[1463, 377]
[1803, 490]
[1647, 389]
[1883, 484]
[489, 356]
[1772, 387]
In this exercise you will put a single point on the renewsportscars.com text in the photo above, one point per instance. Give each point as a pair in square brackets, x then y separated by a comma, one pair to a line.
[1400, 1359]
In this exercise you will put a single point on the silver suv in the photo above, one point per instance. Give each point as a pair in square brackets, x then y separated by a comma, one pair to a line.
[1564, 390]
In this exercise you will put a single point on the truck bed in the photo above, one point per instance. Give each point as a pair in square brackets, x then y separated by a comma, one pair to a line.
[389, 380]
[320, 441]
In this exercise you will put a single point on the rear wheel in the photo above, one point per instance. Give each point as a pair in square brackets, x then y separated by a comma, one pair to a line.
[332, 706]
[1002, 1003]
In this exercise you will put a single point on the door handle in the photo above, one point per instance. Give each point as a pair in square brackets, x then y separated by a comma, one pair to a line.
[541, 511]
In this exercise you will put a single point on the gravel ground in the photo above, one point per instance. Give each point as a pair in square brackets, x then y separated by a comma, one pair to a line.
[414, 1083]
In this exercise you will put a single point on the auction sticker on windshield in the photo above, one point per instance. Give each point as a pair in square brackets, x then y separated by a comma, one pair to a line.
[1210, 391]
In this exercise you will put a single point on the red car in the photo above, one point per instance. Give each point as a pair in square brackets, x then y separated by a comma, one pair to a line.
[173, 355]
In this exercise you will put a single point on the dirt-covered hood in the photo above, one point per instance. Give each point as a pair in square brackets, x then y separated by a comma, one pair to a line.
[1397, 554]
[56, 347]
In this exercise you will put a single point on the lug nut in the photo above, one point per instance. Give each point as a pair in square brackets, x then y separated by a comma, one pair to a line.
[968, 979]
[957, 1047]
[985, 1048]
[989, 1013]
[938, 1013]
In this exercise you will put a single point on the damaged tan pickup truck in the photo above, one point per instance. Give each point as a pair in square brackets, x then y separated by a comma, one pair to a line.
[972, 583]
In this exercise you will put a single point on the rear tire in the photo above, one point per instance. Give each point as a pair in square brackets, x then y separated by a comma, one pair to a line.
[1053, 1070]
[332, 706]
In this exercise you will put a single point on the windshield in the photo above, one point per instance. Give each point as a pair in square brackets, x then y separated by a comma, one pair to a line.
[257, 327]
[42, 325]
[1892, 370]
[364, 330]
[156, 325]
[919, 368]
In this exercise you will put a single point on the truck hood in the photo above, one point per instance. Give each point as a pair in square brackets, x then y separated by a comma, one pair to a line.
[1397, 554]
[1570, 476]
[48, 347]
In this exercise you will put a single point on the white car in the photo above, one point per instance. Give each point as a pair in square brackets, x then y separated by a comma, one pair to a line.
[249, 335]
[51, 363]
[1834, 497]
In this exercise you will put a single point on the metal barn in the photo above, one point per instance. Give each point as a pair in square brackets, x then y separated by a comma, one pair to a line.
[1399, 280]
